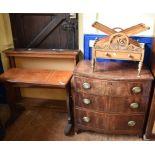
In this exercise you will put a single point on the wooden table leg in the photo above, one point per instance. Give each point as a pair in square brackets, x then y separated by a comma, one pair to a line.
[69, 125]
[2, 131]
[12, 96]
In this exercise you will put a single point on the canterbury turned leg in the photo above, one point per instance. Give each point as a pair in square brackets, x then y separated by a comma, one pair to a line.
[140, 65]
[93, 60]
[12, 96]
[139, 68]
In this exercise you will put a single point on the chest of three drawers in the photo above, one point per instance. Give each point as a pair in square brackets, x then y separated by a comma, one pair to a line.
[110, 104]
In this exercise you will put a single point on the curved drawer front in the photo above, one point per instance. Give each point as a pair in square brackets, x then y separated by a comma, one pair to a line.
[112, 88]
[98, 103]
[90, 119]
[128, 104]
[123, 88]
[91, 86]
[110, 123]
[126, 122]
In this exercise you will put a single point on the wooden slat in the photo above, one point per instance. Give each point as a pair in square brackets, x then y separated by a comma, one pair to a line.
[135, 29]
[103, 28]
[129, 31]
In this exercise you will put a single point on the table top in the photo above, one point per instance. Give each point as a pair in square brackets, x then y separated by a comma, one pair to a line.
[37, 77]
[43, 53]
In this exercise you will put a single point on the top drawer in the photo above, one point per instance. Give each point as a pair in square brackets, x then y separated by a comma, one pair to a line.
[91, 86]
[119, 55]
[125, 88]
[111, 88]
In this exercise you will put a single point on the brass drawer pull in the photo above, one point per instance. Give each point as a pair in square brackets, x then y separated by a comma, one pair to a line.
[131, 123]
[136, 90]
[107, 54]
[86, 85]
[86, 119]
[86, 101]
[134, 105]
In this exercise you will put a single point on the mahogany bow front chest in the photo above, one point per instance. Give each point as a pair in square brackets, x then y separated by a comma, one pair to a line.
[114, 101]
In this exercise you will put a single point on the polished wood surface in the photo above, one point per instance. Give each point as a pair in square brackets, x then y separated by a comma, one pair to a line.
[112, 87]
[112, 71]
[106, 101]
[46, 53]
[37, 77]
[97, 120]
[112, 104]
[97, 103]
[108, 123]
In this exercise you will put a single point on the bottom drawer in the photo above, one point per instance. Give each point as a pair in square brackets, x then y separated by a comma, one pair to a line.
[126, 122]
[109, 123]
[90, 119]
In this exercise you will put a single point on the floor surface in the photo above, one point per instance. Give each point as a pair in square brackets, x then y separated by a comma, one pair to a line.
[41, 123]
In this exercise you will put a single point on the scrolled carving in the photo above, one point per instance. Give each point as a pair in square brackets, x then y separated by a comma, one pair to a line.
[118, 41]
[132, 47]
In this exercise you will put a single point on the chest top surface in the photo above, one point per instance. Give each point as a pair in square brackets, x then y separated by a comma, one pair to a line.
[112, 71]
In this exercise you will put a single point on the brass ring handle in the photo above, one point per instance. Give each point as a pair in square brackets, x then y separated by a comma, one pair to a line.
[86, 85]
[134, 105]
[86, 119]
[131, 123]
[86, 101]
[136, 90]
[117, 28]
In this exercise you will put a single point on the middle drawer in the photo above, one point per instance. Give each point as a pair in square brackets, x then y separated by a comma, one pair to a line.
[88, 101]
[110, 104]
